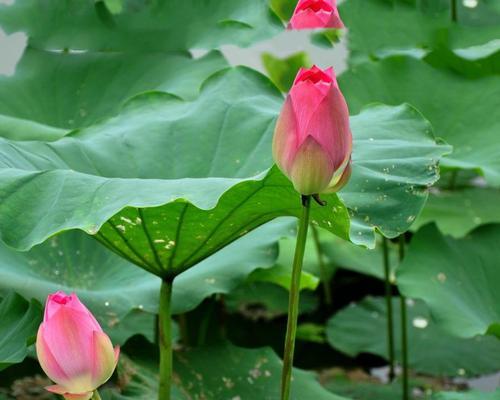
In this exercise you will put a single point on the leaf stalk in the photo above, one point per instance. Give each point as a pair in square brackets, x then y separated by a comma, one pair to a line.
[293, 304]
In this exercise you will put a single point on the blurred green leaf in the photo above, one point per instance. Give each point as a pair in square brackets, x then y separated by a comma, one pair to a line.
[343, 254]
[284, 8]
[457, 212]
[115, 6]
[409, 25]
[19, 324]
[142, 26]
[361, 328]
[310, 332]
[441, 96]
[282, 71]
[65, 91]
[326, 38]
[473, 395]
[358, 385]
[281, 275]
[256, 300]
[456, 278]
[218, 372]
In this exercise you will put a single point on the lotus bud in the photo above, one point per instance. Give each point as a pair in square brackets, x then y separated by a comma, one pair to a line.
[314, 14]
[72, 348]
[312, 140]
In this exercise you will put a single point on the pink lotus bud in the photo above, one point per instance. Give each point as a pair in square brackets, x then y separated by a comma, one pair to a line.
[312, 140]
[313, 14]
[72, 348]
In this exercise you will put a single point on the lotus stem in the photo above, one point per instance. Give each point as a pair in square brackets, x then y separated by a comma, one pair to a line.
[96, 396]
[454, 15]
[388, 299]
[404, 328]
[322, 267]
[293, 304]
[165, 341]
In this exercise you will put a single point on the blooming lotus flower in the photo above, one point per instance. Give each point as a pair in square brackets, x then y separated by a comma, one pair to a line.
[313, 14]
[72, 348]
[312, 139]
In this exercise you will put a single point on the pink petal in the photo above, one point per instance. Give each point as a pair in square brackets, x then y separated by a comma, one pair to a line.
[335, 21]
[57, 389]
[309, 19]
[104, 359]
[47, 361]
[285, 138]
[306, 97]
[69, 336]
[60, 300]
[314, 75]
[329, 125]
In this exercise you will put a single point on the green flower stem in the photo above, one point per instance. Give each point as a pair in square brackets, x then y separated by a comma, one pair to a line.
[165, 341]
[388, 299]
[404, 329]
[454, 16]
[322, 267]
[293, 305]
[96, 396]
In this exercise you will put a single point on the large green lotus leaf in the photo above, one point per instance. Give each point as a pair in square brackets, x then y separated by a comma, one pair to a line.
[72, 90]
[168, 182]
[440, 96]
[122, 297]
[361, 328]
[408, 26]
[456, 278]
[142, 25]
[19, 323]
[161, 151]
[457, 212]
[218, 372]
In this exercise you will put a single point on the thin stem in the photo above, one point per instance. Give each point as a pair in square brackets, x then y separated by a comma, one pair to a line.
[454, 16]
[165, 341]
[205, 321]
[388, 299]
[404, 329]
[183, 329]
[293, 305]
[96, 395]
[453, 179]
[322, 267]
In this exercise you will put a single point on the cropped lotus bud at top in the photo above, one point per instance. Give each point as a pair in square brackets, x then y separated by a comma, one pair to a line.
[312, 139]
[314, 14]
[72, 348]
